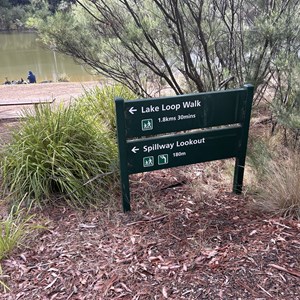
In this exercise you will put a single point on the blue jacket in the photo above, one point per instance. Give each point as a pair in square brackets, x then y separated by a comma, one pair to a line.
[31, 77]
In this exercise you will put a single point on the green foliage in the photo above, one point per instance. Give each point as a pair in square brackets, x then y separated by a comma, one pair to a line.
[5, 3]
[26, 14]
[191, 45]
[37, 10]
[14, 229]
[285, 106]
[57, 154]
[12, 18]
[259, 155]
[98, 105]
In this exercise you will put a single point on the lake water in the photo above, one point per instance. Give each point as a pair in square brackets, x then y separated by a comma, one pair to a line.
[21, 52]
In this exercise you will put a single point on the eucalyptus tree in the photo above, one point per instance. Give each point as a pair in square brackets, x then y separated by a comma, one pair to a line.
[186, 45]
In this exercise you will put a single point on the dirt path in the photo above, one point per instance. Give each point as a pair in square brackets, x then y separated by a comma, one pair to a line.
[177, 243]
[60, 91]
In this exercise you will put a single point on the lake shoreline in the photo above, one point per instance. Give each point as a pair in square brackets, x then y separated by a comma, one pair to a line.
[45, 90]
[64, 92]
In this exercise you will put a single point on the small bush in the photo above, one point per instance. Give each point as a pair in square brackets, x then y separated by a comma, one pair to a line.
[98, 104]
[58, 153]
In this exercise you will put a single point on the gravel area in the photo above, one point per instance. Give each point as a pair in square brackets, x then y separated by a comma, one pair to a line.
[60, 91]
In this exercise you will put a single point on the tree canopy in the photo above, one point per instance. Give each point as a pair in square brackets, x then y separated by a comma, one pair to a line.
[22, 14]
[184, 45]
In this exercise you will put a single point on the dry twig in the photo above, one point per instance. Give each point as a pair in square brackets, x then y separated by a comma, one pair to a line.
[292, 272]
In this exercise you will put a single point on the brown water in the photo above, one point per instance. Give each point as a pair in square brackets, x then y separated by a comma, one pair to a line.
[21, 52]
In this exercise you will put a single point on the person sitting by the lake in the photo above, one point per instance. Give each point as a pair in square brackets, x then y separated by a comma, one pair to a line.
[31, 77]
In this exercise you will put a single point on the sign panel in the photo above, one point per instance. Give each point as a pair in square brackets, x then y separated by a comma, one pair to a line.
[172, 114]
[182, 149]
[201, 127]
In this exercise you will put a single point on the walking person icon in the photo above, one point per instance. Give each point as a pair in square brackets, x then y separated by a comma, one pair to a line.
[147, 124]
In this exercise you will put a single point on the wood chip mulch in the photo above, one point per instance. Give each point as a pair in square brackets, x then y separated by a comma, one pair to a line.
[187, 237]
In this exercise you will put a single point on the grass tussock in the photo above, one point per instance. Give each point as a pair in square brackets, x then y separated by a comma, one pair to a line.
[65, 153]
[278, 185]
[98, 106]
[14, 229]
[57, 154]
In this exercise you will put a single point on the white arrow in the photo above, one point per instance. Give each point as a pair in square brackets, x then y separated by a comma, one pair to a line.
[132, 110]
[135, 149]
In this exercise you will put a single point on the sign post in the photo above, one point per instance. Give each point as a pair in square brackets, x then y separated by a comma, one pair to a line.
[175, 131]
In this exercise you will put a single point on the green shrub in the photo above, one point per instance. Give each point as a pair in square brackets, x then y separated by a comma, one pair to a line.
[65, 153]
[258, 155]
[98, 104]
[58, 154]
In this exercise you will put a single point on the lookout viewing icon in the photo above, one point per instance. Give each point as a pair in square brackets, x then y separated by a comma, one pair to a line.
[163, 159]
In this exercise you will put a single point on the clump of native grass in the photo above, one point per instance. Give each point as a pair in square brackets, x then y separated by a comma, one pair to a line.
[98, 105]
[58, 155]
[280, 187]
[14, 230]
[65, 153]
[277, 181]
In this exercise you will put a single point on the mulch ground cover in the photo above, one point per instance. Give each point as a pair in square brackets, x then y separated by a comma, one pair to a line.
[187, 237]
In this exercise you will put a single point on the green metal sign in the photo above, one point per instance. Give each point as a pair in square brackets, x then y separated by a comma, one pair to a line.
[181, 149]
[172, 114]
[215, 127]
